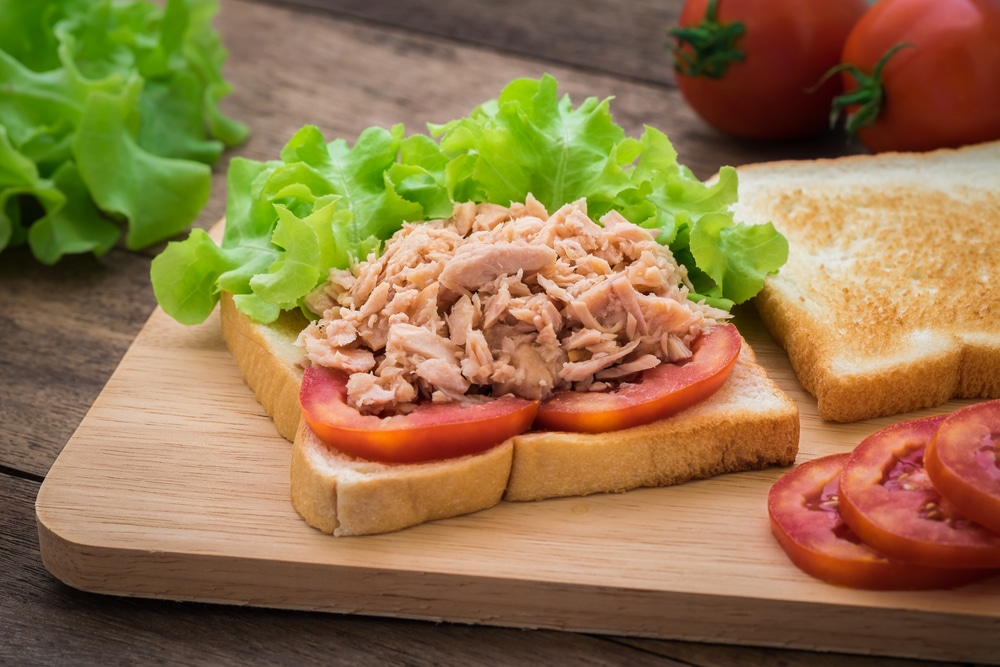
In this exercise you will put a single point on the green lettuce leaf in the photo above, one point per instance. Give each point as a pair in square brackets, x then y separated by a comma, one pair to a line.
[531, 141]
[736, 258]
[197, 265]
[157, 196]
[726, 262]
[204, 53]
[324, 205]
[26, 32]
[288, 221]
[115, 102]
[75, 226]
[19, 178]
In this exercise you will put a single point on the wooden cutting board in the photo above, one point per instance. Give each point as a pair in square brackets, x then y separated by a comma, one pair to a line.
[175, 486]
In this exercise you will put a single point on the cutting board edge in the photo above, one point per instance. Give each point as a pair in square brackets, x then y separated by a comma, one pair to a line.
[469, 599]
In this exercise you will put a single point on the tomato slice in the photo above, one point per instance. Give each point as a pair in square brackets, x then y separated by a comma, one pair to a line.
[660, 392]
[963, 462]
[803, 508]
[432, 431]
[887, 498]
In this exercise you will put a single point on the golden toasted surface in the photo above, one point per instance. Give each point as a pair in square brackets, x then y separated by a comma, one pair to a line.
[887, 302]
[898, 258]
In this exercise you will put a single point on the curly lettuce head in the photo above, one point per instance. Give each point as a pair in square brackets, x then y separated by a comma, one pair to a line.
[109, 120]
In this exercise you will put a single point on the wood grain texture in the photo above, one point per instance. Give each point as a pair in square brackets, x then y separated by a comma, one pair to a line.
[186, 497]
[343, 76]
[626, 39]
[66, 328]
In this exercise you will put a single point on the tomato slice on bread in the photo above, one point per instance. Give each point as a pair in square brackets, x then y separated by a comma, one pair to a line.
[888, 500]
[658, 393]
[430, 432]
[435, 431]
[803, 510]
[963, 462]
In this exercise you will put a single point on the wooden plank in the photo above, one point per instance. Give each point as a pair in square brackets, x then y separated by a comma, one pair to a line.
[64, 330]
[722, 655]
[627, 38]
[175, 486]
[344, 75]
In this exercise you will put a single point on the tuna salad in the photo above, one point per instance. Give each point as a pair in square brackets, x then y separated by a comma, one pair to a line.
[499, 300]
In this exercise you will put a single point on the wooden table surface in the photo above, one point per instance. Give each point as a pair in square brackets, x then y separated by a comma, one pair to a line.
[343, 65]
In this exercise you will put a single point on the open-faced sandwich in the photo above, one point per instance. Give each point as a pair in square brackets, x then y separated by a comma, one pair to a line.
[523, 303]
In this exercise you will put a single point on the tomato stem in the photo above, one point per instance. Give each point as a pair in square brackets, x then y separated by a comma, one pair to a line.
[712, 45]
[868, 97]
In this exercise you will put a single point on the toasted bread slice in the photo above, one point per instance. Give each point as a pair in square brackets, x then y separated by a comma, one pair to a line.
[888, 301]
[748, 424]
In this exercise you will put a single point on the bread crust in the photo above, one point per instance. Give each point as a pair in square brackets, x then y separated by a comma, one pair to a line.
[344, 496]
[748, 424]
[268, 360]
[887, 303]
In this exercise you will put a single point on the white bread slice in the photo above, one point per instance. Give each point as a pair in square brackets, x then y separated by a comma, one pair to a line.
[888, 302]
[347, 496]
[748, 424]
[268, 359]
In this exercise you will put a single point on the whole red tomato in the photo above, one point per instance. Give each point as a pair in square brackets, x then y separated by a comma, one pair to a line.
[939, 88]
[754, 68]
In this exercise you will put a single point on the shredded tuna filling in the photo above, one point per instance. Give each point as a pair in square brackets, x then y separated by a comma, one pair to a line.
[498, 301]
